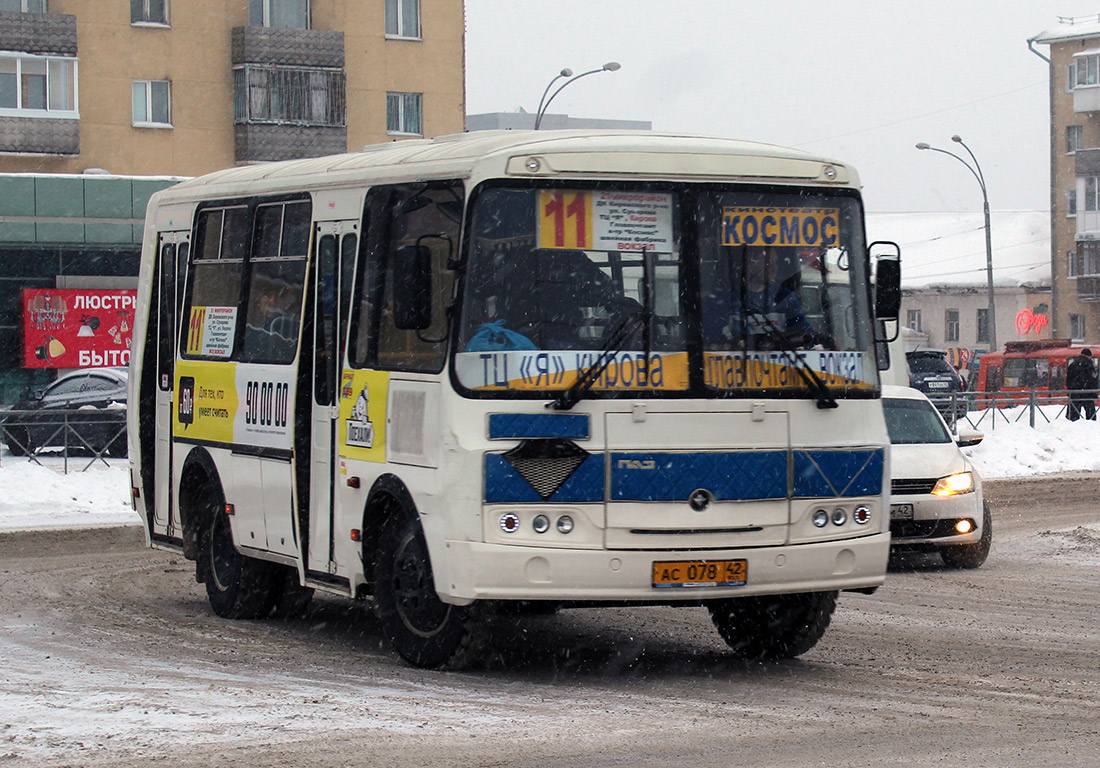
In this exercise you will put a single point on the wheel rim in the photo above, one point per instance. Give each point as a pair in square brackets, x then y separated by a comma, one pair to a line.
[223, 556]
[415, 599]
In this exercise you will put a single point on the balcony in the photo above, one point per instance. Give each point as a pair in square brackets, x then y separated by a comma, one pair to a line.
[289, 93]
[1088, 288]
[39, 33]
[288, 47]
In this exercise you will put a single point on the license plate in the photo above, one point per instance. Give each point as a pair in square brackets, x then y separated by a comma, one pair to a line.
[938, 384]
[700, 573]
[901, 511]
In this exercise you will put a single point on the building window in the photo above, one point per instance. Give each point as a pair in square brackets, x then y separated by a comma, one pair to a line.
[1071, 76]
[23, 6]
[912, 319]
[1090, 192]
[289, 14]
[1073, 138]
[983, 326]
[289, 96]
[951, 325]
[1073, 263]
[149, 12]
[403, 18]
[1077, 327]
[1088, 70]
[403, 114]
[37, 86]
[1088, 259]
[1071, 203]
[152, 102]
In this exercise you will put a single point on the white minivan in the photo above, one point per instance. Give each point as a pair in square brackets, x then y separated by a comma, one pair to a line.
[935, 492]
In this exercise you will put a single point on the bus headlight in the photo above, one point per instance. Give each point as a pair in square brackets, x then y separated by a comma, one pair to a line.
[952, 485]
[820, 518]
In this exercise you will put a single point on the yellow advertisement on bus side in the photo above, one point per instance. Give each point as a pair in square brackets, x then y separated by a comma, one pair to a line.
[362, 432]
[206, 401]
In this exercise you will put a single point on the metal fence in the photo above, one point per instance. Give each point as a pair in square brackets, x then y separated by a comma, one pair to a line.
[92, 434]
[984, 410]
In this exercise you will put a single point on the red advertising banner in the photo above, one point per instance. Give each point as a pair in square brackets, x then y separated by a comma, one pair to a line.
[77, 328]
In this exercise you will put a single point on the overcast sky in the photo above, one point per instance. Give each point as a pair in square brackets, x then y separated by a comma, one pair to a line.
[861, 81]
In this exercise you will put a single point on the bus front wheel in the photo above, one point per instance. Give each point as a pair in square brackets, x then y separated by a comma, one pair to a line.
[238, 587]
[424, 630]
[773, 626]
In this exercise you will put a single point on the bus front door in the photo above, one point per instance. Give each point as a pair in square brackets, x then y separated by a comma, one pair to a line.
[171, 269]
[336, 250]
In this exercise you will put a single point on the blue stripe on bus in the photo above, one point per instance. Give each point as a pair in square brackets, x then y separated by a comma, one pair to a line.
[840, 474]
[519, 426]
[735, 476]
[504, 485]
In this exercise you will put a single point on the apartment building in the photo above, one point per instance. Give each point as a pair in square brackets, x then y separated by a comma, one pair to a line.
[103, 102]
[183, 87]
[1073, 58]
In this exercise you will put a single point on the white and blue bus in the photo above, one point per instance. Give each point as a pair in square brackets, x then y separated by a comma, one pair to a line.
[549, 369]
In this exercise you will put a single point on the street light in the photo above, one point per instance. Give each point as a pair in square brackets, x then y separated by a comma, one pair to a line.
[544, 103]
[976, 169]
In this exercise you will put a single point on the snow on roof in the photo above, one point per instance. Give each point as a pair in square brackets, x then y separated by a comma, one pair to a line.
[1070, 28]
[949, 248]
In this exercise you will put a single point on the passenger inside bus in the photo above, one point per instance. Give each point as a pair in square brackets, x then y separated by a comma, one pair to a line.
[759, 308]
[545, 299]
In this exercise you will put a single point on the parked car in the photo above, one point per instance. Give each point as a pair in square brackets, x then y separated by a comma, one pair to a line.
[99, 394]
[932, 374]
[935, 493]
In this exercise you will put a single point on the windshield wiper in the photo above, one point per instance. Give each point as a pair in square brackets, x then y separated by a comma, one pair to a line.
[820, 389]
[616, 340]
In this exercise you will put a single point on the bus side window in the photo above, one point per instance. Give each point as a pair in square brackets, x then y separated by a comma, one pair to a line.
[215, 278]
[276, 282]
[412, 214]
[993, 379]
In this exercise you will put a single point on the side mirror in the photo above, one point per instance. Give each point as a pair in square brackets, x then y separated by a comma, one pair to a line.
[887, 282]
[412, 287]
[968, 437]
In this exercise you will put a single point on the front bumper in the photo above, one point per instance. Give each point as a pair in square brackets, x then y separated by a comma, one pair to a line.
[934, 519]
[479, 571]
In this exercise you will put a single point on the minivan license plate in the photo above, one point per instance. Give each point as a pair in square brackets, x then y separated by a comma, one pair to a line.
[901, 511]
[700, 573]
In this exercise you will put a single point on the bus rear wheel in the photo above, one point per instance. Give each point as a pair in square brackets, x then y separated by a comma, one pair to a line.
[238, 587]
[425, 631]
[773, 626]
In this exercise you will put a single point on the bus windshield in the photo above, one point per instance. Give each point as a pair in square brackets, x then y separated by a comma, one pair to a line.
[558, 279]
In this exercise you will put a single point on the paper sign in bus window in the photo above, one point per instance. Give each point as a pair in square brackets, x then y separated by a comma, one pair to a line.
[605, 220]
[210, 331]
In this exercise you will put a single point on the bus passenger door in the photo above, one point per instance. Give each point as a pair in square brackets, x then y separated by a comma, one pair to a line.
[337, 244]
[172, 255]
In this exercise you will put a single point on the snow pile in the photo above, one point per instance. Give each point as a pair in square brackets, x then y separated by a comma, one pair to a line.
[33, 496]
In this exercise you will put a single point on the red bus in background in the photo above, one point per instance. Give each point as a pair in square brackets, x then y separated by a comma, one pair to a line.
[1024, 365]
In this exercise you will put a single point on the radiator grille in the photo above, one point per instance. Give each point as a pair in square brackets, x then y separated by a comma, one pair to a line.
[918, 485]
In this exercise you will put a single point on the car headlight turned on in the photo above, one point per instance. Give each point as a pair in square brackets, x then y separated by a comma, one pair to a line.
[952, 485]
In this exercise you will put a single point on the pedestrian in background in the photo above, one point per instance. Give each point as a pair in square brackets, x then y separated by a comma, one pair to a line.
[1082, 381]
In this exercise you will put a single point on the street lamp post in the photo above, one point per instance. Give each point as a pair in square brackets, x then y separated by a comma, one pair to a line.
[544, 103]
[976, 170]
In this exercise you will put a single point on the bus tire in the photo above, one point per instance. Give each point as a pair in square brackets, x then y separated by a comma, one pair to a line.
[773, 626]
[237, 586]
[425, 631]
[971, 555]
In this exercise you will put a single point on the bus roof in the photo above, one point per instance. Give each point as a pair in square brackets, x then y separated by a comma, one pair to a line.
[591, 152]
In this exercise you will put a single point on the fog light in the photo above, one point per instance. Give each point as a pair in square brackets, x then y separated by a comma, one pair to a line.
[820, 518]
[565, 524]
[509, 523]
[862, 514]
[840, 516]
[964, 526]
[541, 523]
